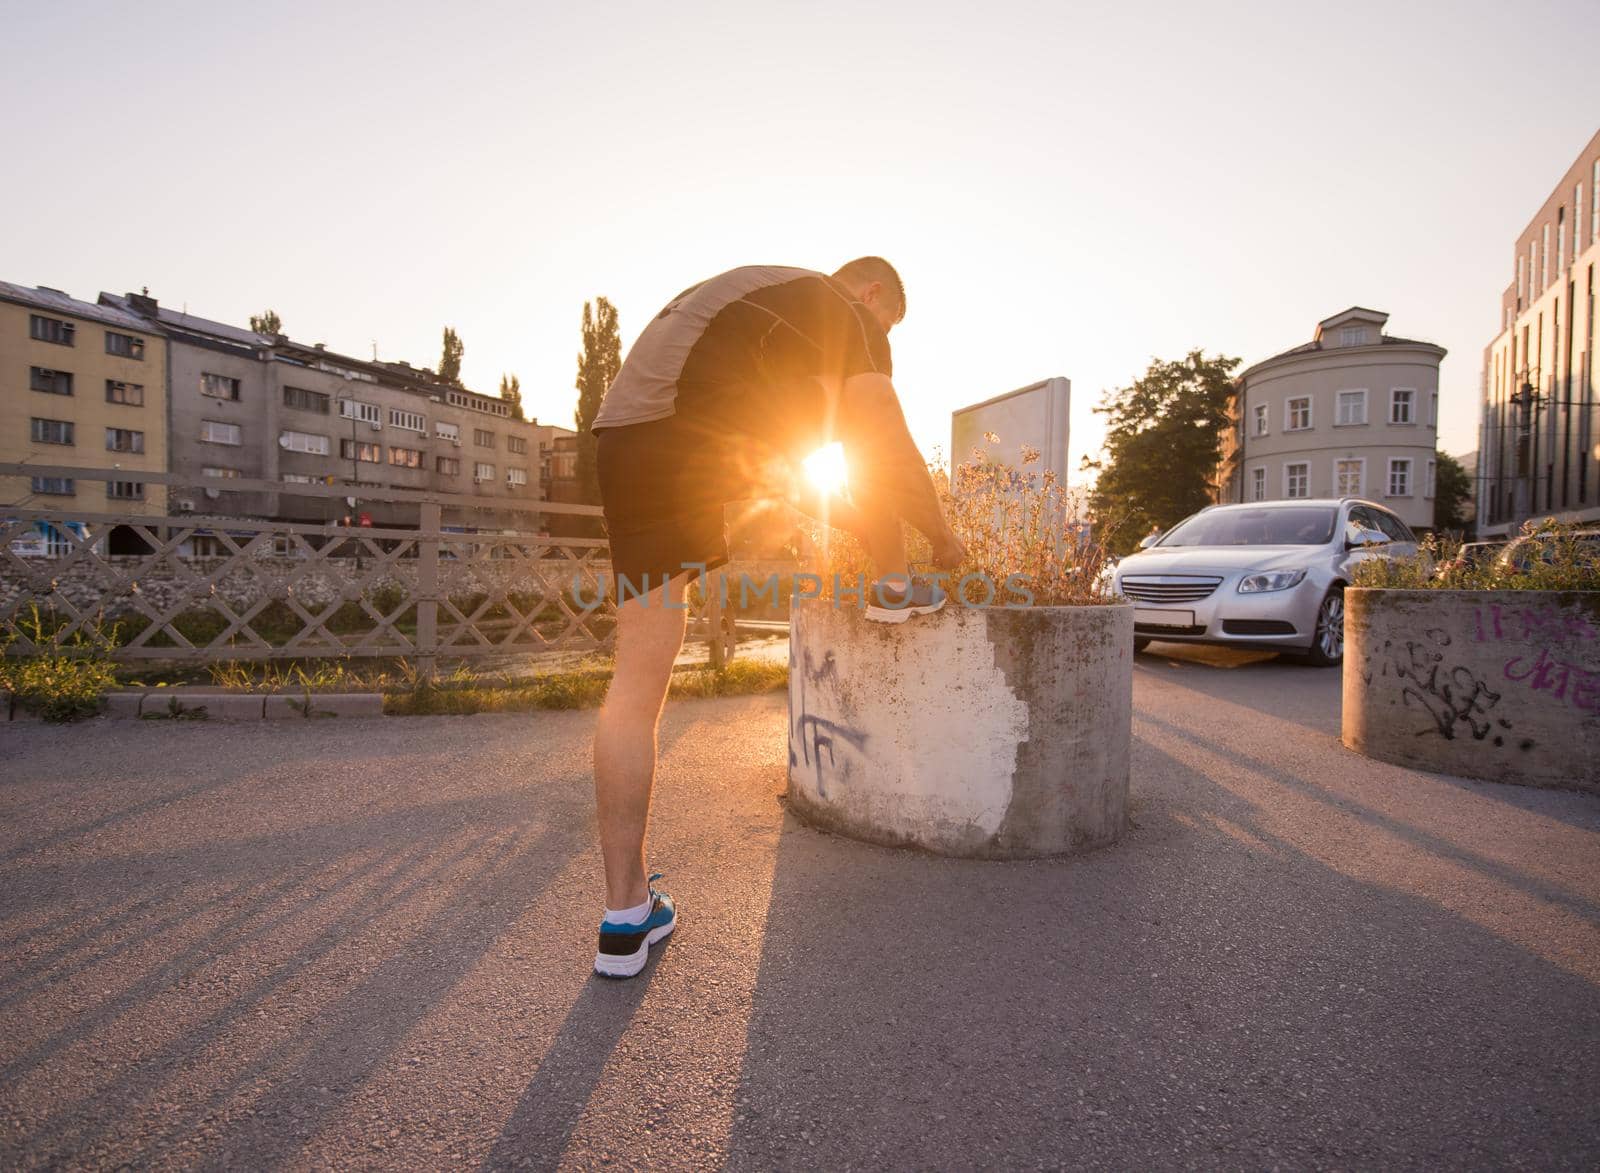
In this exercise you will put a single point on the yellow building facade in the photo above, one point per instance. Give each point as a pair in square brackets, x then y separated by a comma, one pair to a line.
[81, 385]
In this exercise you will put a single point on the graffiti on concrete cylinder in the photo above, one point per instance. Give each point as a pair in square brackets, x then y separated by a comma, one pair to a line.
[1456, 700]
[816, 735]
[1550, 672]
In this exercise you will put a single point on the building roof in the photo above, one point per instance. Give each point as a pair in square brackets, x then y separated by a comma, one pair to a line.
[1355, 313]
[45, 298]
[191, 323]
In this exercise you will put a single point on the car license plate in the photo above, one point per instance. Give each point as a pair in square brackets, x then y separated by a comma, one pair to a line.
[1150, 617]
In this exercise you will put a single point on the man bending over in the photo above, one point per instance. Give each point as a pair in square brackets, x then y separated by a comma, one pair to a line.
[731, 385]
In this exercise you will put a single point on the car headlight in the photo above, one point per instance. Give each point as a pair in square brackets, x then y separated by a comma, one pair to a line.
[1272, 580]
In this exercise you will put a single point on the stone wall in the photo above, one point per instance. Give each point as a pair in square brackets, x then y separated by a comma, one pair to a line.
[1499, 685]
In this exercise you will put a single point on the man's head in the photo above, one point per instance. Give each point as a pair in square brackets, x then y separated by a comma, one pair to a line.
[873, 282]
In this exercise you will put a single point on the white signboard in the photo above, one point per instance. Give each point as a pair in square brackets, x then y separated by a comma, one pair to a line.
[1035, 415]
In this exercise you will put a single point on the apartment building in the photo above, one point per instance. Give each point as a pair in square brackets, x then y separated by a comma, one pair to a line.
[257, 406]
[81, 385]
[1537, 443]
[1352, 413]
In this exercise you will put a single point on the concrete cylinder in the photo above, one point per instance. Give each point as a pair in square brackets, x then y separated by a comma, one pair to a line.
[993, 732]
[1499, 685]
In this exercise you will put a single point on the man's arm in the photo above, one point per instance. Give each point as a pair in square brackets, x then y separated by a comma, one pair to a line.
[887, 464]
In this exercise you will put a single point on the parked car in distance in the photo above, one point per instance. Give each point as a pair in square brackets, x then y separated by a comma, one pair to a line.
[1268, 575]
[1519, 555]
[1471, 556]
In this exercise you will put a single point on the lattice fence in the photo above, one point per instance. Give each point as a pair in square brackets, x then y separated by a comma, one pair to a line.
[220, 588]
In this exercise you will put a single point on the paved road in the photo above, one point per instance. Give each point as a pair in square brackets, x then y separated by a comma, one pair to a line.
[366, 944]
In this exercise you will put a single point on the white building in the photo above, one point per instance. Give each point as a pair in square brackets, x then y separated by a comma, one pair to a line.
[1352, 413]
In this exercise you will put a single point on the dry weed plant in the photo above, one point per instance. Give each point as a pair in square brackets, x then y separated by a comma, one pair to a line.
[1029, 538]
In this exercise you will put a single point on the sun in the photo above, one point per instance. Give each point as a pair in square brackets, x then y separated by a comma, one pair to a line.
[826, 470]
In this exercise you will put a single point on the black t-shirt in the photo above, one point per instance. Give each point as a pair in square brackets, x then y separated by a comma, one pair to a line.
[737, 358]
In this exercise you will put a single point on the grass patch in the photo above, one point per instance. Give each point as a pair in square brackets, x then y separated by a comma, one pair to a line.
[576, 690]
[68, 678]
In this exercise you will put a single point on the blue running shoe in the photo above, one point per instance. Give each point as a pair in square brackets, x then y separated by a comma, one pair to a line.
[625, 948]
[891, 602]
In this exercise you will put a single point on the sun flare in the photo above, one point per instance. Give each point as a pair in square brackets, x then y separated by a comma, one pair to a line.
[825, 468]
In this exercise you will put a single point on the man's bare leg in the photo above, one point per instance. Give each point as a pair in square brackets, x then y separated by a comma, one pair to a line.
[649, 636]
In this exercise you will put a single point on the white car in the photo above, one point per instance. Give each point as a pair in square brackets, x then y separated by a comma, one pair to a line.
[1268, 575]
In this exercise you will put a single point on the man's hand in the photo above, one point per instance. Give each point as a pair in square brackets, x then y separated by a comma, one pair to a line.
[949, 551]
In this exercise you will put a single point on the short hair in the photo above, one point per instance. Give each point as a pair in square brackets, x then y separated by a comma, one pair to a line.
[874, 269]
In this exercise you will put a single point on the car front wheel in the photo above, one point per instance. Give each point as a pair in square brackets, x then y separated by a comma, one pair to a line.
[1327, 645]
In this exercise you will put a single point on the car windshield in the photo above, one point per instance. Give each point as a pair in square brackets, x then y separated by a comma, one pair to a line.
[1308, 525]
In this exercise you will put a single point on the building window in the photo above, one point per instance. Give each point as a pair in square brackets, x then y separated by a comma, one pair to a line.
[1400, 477]
[1297, 480]
[125, 490]
[1522, 280]
[482, 438]
[1402, 406]
[300, 478]
[1433, 475]
[1353, 336]
[367, 413]
[1352, 408]
[1533, 268]
[1577, 222]
[517, 444]
[43, 329]
[1347, 477]
[405, 457]
[516, 476]
[1561, 240]
[482, 472]
[447, 466]
[131, 394]
[127, 346]
[303, 400]
[50, 382]
[1433, 409]
[50, 431]
[1297, 414]
[361, 450]
[1258, 484]
[217, 432]
[308, 442]
[219, 387]
[447, 431]
[1260, 414]
[54, 486]
[218, 473]
[124, 440]
[1594, 203]
[411, 421]
[1544, 256]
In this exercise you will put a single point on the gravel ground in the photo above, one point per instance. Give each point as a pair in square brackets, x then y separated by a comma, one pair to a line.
[366, 944]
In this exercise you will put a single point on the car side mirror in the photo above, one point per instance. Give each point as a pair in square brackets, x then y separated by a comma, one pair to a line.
[1149, 540]
[1366, 537]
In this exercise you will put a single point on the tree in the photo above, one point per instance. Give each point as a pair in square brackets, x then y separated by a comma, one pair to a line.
[598, 364]
[267, 323]
[450, 359]
[511, 392]
[1452, 488]
[1162, 446]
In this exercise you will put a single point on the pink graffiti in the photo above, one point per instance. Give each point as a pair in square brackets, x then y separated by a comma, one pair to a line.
[1547, 623]
[1548, 674]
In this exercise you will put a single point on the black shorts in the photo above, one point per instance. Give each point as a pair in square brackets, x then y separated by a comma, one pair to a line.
[663, 485]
